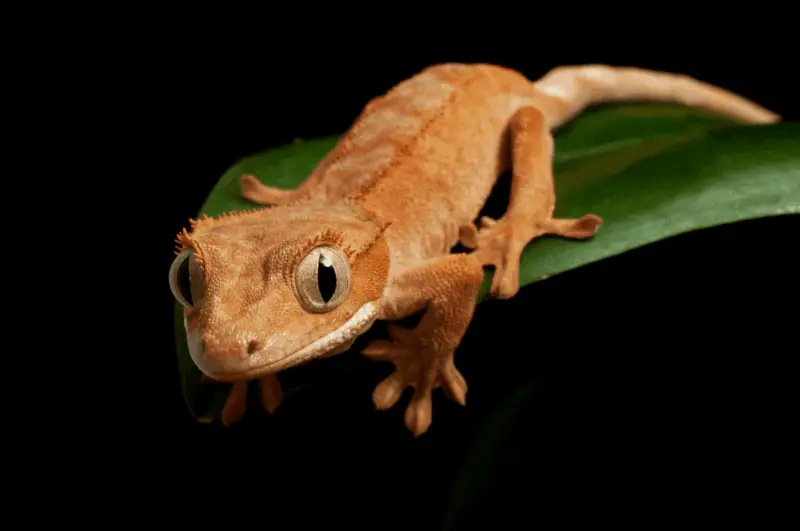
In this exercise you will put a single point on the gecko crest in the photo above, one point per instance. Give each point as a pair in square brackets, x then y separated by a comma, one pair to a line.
[184, 242]
[326, 237]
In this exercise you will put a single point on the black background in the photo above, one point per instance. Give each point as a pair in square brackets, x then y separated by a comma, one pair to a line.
[670, 372]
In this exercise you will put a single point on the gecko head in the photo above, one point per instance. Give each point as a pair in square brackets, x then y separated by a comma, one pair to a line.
[269, 289]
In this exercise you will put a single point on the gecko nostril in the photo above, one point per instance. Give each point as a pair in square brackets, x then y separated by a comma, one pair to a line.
[253, 347]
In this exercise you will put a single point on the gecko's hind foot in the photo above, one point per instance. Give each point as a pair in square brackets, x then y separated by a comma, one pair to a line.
[420, 366]
[500, 244]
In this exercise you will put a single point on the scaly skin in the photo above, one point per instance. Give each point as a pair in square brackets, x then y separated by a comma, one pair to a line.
[399, 190]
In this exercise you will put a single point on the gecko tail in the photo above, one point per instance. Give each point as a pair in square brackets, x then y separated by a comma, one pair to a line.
[573, 88]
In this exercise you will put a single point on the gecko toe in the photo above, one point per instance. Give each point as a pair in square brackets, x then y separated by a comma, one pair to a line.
[271, 392]
[487, 222]
[468, 236]
[454, 385]
[418, 415]
[504, 285]
[579, 229]
[235, 404]
[378, 349]
[388, 392]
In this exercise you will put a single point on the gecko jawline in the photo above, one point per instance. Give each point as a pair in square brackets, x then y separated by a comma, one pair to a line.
[359, 323]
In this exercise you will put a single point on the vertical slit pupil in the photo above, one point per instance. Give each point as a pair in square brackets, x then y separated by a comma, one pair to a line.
[326, 278]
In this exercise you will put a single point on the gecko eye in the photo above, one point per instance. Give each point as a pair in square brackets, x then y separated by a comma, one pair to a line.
[179, 278]
[322, 279]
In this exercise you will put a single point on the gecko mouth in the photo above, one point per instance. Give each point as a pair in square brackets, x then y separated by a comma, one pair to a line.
[359, 323]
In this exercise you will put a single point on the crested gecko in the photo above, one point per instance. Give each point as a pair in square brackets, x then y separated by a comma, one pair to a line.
[368, 235]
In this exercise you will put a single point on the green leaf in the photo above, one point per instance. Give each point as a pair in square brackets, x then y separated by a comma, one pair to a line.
[663, 187]
[650, 171]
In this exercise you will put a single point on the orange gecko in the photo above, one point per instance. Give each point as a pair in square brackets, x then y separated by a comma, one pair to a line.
[368, 235]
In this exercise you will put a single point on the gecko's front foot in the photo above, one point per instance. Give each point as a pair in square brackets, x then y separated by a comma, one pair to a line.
[422, 365]
[236, 403]
[500, 244]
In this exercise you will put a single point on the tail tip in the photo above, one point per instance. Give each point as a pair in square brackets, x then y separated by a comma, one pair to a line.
[767, 117]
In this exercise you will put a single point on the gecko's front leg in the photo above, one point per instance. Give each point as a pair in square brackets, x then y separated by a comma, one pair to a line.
[257, 192]
[530, 211]
[254, 190]
[445, 288]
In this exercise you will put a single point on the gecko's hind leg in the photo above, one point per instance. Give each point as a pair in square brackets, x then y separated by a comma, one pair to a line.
[530, 210]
